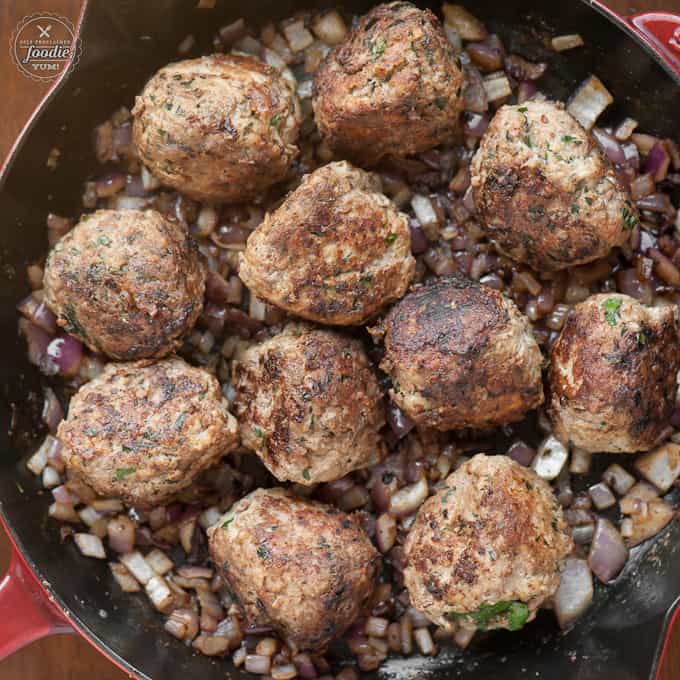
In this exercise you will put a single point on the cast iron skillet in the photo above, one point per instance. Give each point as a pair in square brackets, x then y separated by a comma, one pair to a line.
[123, 43]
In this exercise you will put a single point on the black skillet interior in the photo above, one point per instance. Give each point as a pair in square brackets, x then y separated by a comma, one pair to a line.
[124, 42]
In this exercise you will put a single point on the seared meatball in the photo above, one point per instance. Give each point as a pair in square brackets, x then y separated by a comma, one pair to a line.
[488, 549]
[612, 374]
[393, 87]
[142, 432]
[302, 567]
[217, 128]
[461, 355]
[546, 192]
[335, 252]
[127, 283]
[309, 404]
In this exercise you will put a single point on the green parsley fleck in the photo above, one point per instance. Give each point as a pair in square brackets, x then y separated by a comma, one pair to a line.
[181, 419]
[92, 431]
[612, 310]
[630, 219]
[517, 614]
[258, 432]
[522, 109]
[104, 241]
[263, 552]
[440, 103]
[377, 48]
[122, 473]
[575, 209]
[227, 522]
[641, 338]
[390, 239]
[275, 120]
[568, 139]
[305, 474]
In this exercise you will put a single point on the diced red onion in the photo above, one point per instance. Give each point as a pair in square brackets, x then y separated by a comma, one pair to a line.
[632, 155]
[232, 32]
[629, 284]
[526, 91]
[657, 162]
[522, 453]
[608, 553]
[475, 124]
[645, 525]
[62, 495]
[485, 55]
[121, 533]
[661, 466]
[400, 423]
[475, 92]
[664, 267]
[38, 313]
[583, 533]
[37, 341]
[52, 413]
[659, 203]
[57, 226]
[523, 70]
[183, 624]
[469, 200]
[611, 148]
[110, 185]
[618, 479]
[642, 186]
[550, 458]
[575, 592]
[66, 352]
[602, 496]
[408, 499]
[305, 667]
[419, 242]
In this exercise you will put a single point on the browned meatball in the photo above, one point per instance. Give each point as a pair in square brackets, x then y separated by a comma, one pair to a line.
[393, 87]
[461, 355]
[127, 283]
[546, 192]
[612, 374]
[143, 432]
[217, 128]
[302, 567]
[488, 549]
[309, 404]
[336, 251]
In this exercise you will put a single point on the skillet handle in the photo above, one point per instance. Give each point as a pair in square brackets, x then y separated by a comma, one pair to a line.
[661, 31]
[26, 612]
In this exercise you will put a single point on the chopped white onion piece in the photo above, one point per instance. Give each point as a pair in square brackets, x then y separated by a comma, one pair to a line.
[625, 129]
[159, 562]
[159, 594]
[183, 624]
[258, 664]
[37, 462]
[64, 512]
[424, 641]
[467, 25]
[580, 461]
[408, 499]
[297, 35]
[424, 210]
[453, 37]
[305, 89]
[209, 516]
[107, 505]
[149, 182]
[618, 479]
[463, 637]
[50, 477]
[588, 102]
[125, 580]
[658, 515]
[248, 45]
[257, 309]
[562, 43]
[608, 553]
[601, 496]
[550, 458]
[207, 219]
[633, 502]
[497, 86]
[661, 466]
[626, 529]
[122, 202]
[274, 59]
[138, 567]
[329, 27]
[90, 546]
[575, 593]
[186, 534]
[89, 515]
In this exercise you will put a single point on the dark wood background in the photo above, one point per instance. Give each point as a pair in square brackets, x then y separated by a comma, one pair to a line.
[68, 657]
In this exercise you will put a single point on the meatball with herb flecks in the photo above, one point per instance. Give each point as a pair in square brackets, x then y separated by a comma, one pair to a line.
[142, 432]
[302, 567]
[488, 548]
[461, 355]
[393, 87]
[336, 251]
[613, 374]
[546, 193]
[128, 283]
[309, 404]
[217, 128]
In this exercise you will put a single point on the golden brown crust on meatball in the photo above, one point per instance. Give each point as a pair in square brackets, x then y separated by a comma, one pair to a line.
[217, 128]
[336, 251]
[495, 533]
[302, 567]
[393, 87]
[612, 374]
[309, 404]
[461, 355]
[546, 192]
[128, 283]
[142, 432]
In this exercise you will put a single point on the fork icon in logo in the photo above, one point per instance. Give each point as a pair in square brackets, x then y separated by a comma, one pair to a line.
[44, 32]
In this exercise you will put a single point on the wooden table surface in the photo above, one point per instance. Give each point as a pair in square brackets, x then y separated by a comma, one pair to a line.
[68, 657]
